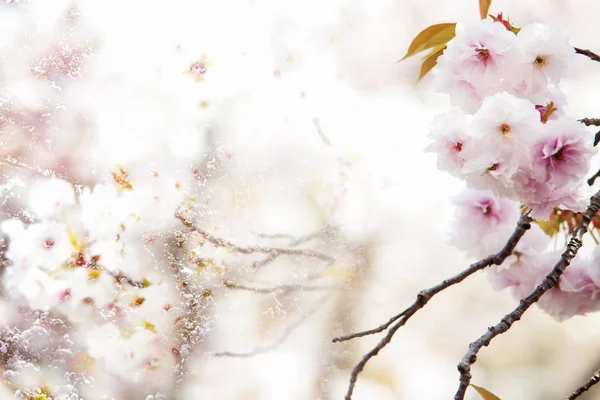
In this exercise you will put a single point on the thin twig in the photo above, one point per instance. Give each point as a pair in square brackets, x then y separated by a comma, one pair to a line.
[591, 382]
[271, 251]
[593, 56]
[593, 178]
[425, 295]
[590, 121]
[464, 367]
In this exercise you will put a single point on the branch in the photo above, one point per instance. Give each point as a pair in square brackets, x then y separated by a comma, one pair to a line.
[590, 121]
[425, 295]
[591, 382]
[464, 367]
[273, 252]
[276, 289]
[593, 178]
[593, 56]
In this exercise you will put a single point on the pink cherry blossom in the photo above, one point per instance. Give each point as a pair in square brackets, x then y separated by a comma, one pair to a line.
[562, 154]
[449, 134]
[477, 62]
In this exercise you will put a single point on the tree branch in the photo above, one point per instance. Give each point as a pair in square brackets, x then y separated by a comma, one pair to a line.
[551, 280]
[275, 289]
[273, 252]
[424, 296]
[590, 121]
[593, 56]
[591, 382]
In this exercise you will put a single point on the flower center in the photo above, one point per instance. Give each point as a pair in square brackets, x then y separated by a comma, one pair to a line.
[483, 54]
[48, 243]
[540, 61]
[505, 129]
[458, 146]
[559, 154]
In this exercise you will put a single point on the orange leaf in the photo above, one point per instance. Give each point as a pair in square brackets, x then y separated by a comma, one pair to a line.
[430, 37]
[484, 6]
[430, 61]
[485, 394]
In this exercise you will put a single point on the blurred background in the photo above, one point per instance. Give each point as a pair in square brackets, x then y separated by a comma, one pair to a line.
[290, 118]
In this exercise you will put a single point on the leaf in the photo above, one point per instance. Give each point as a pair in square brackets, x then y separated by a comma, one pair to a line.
[551, 227]
[430, 61]
[485, 394]
[430, 37]
[484, 6]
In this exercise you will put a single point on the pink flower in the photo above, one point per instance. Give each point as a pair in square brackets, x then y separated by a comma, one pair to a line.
[483, 222]
[449, 134]
[576, 293]
[562, 155]
[477, 62]
[505, 121]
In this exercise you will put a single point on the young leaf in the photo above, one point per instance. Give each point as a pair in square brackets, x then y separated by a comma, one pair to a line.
[484, 6]
[430, 37]
[430, 60]
[486, 394]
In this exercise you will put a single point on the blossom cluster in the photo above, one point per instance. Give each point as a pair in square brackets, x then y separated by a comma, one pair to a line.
[513, 144]
[511, 134]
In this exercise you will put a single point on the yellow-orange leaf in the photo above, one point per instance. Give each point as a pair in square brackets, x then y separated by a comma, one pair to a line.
[430, 61]
[486, 394]
[484, 6]
[430, 37]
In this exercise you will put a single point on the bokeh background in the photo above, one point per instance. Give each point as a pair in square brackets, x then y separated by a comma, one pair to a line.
[298, 120]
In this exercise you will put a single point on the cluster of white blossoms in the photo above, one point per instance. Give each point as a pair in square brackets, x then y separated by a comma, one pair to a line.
[512, 135]
[515, 147]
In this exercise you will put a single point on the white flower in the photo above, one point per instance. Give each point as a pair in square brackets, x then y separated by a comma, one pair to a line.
[546, 56]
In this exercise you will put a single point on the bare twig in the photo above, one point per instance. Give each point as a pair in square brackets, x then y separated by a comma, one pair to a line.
[593, 178]
[590, 121]
[551, 280]
[425, 295]
[593, 56]
[271, 251]
[591, 382]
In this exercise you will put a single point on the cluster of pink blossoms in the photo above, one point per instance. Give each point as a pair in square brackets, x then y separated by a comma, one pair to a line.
[511, 135]
[513, 145]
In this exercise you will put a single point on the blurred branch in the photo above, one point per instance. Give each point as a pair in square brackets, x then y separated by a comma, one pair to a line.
[280, 340]
[464, 367]
[593, 56]
[275, 289]
[424, 296]
[273, 252]
[591, 382]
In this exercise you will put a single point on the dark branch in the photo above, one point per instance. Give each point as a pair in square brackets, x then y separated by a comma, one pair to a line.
[425, 295]
[464, 367]
[593, 56]
[591, 382]
[593, 178]
[590, 121]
